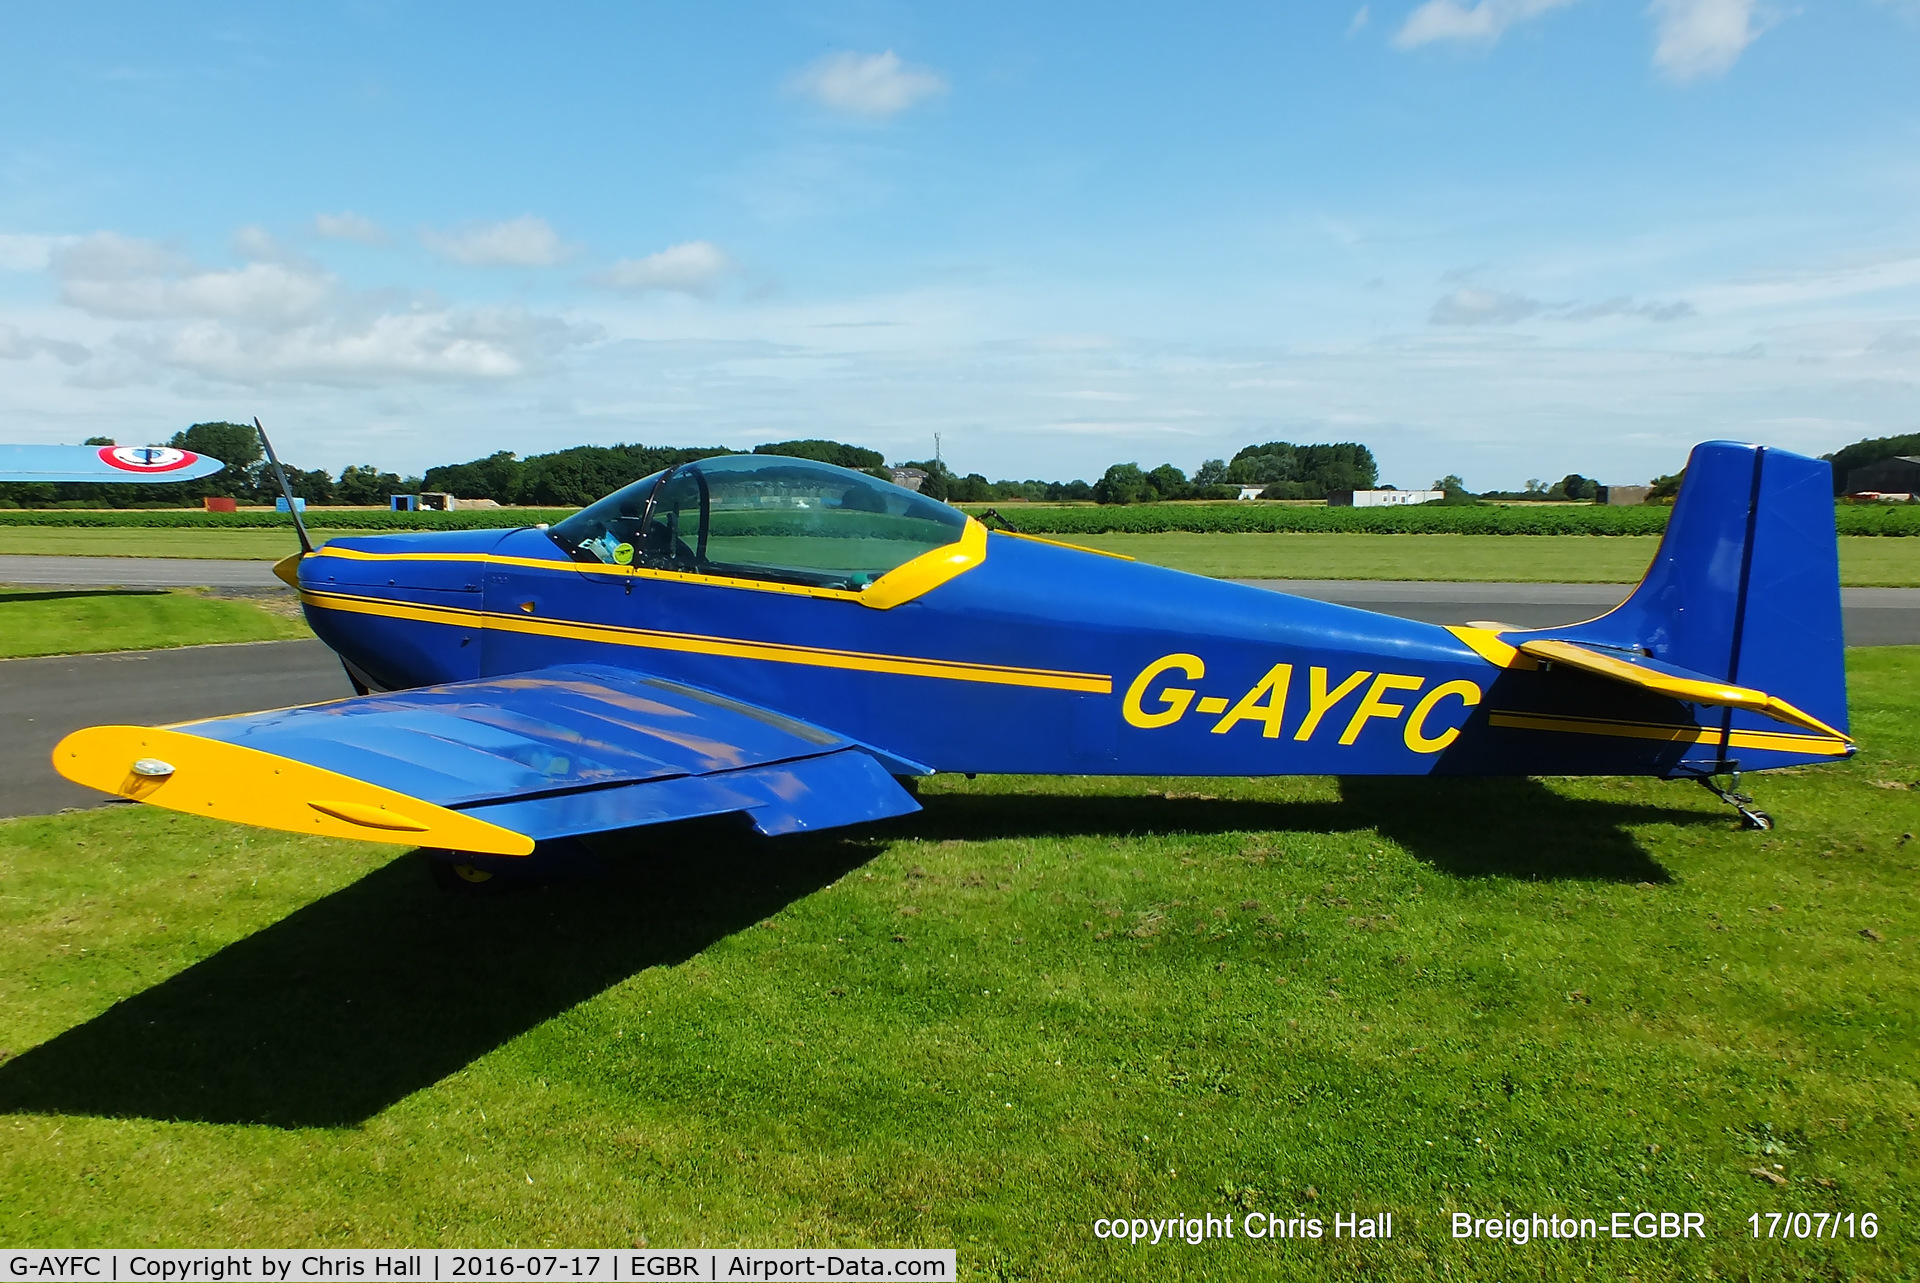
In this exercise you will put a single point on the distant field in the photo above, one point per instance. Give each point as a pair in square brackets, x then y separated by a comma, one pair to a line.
[1468, 558]
[1508, 558]
[1038, 1003]
[218, 545]
[68, 621]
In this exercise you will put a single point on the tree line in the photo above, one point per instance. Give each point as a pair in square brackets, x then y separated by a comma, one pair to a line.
[579, 475]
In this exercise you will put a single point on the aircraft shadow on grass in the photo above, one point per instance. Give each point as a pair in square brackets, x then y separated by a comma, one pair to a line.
[384, 987]
[68, 594]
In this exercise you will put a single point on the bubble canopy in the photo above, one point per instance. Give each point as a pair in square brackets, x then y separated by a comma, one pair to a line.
[762, 516]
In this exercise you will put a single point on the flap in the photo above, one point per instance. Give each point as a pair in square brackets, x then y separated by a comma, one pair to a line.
[1678, 683]
[847, 787]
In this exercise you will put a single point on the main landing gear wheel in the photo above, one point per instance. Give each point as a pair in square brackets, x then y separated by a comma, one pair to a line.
[459, 878]
[558, 860]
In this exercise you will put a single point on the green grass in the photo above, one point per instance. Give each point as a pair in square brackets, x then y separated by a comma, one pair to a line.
[132, 519]
[1039, 1002]
[1895, 520]
[70, 621]
[1465, 558]
[219, 545]
[1530, 558]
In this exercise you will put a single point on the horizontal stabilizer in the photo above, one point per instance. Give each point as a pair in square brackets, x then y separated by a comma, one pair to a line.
[1677, 683]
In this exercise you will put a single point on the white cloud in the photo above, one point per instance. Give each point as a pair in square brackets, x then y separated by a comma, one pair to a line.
[1482, 23]
[117, 276]
[257, 245]
[1360, 20]
[692, 267]
[1624, 306]
[110, 256]
[1469, 305]
[478, 346]
[1695, 38]
[15, 346]
[876, 84]
[288, 321]
[349, 226]
[526, 241]
[20, 253]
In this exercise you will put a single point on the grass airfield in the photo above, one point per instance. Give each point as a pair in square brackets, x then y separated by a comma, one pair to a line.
[1864, 561]
[74, 621]
[1040, 1002]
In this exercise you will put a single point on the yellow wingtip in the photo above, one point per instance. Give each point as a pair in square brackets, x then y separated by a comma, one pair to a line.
[200, 776]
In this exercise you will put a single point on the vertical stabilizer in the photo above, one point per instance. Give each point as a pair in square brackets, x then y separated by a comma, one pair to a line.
[1746, 585]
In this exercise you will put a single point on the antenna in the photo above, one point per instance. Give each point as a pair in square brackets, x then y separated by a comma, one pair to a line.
[936, 447]
[280, 474]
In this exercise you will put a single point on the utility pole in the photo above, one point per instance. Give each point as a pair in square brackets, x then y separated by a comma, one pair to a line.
[936, 447]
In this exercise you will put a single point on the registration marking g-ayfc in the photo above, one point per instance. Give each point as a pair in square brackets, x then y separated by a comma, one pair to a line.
[1265, 703]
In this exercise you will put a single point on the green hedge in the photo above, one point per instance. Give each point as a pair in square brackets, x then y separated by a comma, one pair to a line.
[1261, 518]
[261, 519]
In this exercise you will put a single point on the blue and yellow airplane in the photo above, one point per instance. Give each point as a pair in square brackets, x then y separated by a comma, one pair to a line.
[786, 641]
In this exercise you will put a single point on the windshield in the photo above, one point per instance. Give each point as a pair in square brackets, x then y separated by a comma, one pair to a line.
[759, 516]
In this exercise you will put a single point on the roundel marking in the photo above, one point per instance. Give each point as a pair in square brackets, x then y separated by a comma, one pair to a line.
[147, 458]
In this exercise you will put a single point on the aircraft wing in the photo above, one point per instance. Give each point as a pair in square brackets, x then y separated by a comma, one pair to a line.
[495, 764]
[108, 463]
[1679, 683]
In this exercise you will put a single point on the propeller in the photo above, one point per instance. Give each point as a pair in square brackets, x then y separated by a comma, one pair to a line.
[280, 474]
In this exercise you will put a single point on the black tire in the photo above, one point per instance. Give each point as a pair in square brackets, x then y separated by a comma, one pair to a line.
[455, 874]
[559, 860]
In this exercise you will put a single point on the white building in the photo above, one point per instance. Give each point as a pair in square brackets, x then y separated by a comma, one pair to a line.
[1381, 498]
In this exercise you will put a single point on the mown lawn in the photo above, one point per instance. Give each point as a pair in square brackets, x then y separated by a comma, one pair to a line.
[217, 545]
[1040, 1002]
[70, 621]
[1864, 561]
[1573, 559]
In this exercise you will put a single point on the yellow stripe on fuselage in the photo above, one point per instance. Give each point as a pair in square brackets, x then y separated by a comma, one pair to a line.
[698, 644]
[1774, 741]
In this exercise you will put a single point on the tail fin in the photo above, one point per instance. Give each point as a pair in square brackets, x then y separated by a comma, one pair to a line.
[1746, 585]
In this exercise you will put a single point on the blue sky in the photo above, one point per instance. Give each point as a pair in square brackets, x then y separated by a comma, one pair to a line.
[1504, 238]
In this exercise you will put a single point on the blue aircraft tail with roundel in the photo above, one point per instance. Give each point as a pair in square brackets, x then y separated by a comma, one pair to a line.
[1745, 591]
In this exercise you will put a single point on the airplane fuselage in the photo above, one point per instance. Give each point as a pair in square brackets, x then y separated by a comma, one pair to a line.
[1040, 658]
